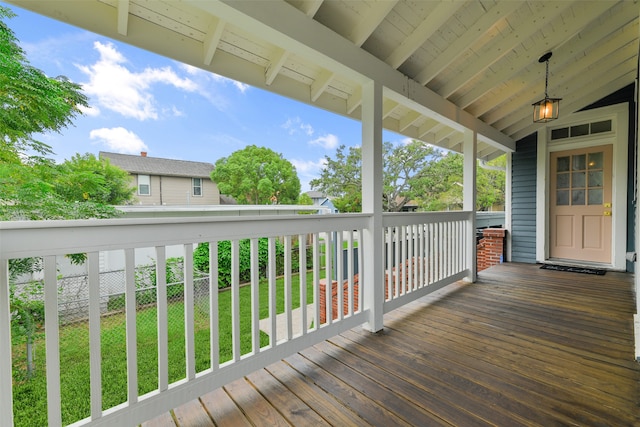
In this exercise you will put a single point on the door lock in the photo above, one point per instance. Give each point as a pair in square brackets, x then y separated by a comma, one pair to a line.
[607, 213]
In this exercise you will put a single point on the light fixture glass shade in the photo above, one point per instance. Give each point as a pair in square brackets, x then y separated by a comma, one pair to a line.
[546, 109]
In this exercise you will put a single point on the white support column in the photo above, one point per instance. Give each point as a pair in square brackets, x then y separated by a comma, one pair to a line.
[469, 197]
[373, 268]
[507, 203]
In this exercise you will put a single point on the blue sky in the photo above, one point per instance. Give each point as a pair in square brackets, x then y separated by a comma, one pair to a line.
[145, 102]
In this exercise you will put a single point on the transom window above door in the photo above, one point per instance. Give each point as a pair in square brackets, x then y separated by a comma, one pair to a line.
[580, 179]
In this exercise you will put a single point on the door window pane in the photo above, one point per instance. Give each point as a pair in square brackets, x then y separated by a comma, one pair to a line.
[580, 162]
[596, 160]
[562, 198]
[596, 179]
[595, 196]
[577, 197]
[563, 164]
[578, 180]
[563, 180]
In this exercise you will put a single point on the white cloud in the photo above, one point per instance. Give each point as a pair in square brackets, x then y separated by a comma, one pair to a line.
[119, 140]
[309, 167]
[295, 125]
[116, 88]
[90, 111]
[328, 141]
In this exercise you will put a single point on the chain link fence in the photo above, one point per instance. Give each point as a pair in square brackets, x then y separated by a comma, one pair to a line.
[73, 290]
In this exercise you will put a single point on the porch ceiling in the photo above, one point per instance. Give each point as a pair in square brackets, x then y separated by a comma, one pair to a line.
[446, 66]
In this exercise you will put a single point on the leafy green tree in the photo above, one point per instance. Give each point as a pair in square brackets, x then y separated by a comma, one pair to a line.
[31, 101]
[257, 175]
[441, 187]
[412, 172]
[85, 177]
[33, 186]
[403, 166]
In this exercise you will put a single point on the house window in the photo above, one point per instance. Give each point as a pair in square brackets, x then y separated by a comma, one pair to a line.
[144, 185]
[197, 186]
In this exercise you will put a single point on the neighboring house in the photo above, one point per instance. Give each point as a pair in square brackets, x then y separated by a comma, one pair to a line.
[169, 182]
[320, 199]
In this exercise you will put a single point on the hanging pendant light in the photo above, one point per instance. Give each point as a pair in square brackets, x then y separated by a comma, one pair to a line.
[546, 109]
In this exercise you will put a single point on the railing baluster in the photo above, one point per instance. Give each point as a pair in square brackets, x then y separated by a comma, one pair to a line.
[214, 319]
[339, 275]
[421, 255]
[130, 316]
[6, 380]
[52, 341]
[189, 317]
[389, 262]
[328, 277]
[255, 298]
[350, 273]
[163, 318]
[272, 292]
[95, 355]
[287, 287]
[315, 251]
[302, 274]
[396, 266]
[361, 275]
[235, 299]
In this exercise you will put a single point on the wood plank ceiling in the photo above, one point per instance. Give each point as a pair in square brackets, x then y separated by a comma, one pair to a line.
[445, 65]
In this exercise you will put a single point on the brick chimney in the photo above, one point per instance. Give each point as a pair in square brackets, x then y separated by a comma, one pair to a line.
[143, 153]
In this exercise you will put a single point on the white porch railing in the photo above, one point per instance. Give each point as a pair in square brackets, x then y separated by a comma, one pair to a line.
[423, 252]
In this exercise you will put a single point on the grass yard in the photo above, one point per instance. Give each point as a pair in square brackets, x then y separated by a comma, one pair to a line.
[30, 394]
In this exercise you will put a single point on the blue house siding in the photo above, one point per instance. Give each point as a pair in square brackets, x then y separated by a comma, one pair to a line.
[523, 200]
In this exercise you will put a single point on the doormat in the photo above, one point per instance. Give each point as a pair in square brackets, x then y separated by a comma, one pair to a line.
[585, 270]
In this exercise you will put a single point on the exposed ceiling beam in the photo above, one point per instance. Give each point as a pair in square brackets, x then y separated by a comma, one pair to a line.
[281, 24]
[368, 23]
[570, 26]
[308, 7]
[387, 107]
[276, 63]
[485, 59]
[354, 100]
[320, 84]
[426, 127]
[123, 17]
[408, 120]
[461, 45]
[428, 26]
[212, 39]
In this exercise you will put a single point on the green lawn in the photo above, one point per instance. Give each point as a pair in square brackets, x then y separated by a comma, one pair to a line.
[30, 395]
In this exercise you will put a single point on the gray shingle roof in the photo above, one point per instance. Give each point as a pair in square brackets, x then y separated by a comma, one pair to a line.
[157, 166]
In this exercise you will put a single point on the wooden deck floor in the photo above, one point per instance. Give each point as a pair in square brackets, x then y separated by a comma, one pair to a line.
[522, 346]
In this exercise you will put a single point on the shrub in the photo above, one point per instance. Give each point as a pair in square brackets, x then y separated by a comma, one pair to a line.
[201, 259]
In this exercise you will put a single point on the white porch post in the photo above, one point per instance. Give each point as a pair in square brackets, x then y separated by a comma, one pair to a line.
[469, 197]
[6, 380]
[507, 202]
[373, 268]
